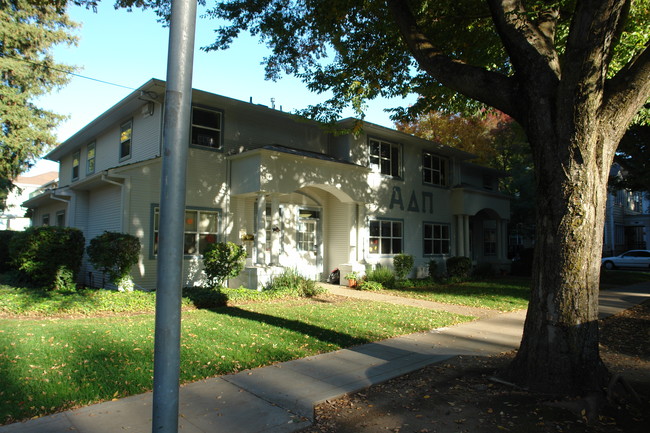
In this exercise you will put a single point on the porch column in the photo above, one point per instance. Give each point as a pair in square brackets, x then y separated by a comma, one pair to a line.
[260, 236]
[468, 253]
[460, 243]
[504, 240]
[275, 230]
[361, 233]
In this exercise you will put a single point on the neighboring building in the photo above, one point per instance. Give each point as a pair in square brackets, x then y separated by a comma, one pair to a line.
[13, 216]
[292, 192]
[627, 219]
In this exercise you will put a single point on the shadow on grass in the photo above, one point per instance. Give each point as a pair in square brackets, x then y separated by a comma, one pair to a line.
[323, 334]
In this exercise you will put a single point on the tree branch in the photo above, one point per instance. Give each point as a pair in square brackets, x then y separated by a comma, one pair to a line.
[491, 88]
[628, 91]
[530, 47]
[591, 37]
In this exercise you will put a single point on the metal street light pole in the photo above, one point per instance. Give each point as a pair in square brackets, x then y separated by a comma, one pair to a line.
[176, 126]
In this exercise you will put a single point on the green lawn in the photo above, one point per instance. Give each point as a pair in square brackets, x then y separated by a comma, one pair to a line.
[503, 294]
[49, 364]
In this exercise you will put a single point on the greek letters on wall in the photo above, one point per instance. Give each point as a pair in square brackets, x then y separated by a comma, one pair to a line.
[424, 204]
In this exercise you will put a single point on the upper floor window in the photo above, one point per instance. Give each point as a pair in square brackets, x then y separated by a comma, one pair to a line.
[385, 237]
[75, 165]
[206, 127]
[126, 132]
[385, 157]
[436, 239]
[90, 158]
[434, 169]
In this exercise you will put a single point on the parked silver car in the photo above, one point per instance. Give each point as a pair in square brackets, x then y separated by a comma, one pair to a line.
[629, 259]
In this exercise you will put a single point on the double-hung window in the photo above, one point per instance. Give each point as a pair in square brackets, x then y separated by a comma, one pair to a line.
[90, 158]
[436, 239]
[201, 230]
[385, 157]
[206, 127]
[126, 132]
[385, 237]
[434, 169]
[75, 164]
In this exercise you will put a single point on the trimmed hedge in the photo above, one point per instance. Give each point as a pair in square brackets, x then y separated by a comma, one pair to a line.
[459, 267]
[115, 254]
[48, 257]
[5, 255]
[403, 263]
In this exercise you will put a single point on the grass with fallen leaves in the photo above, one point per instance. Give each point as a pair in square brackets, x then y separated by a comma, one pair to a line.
[57, 363]
[503, 294]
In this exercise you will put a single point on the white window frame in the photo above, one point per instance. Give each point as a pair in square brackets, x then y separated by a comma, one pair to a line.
[438, 168]
[210, 129]
[126, 140]
[387, 163]
[91, 161]
[76, 163]
[384, 236]
[201, 238]
[439, 243]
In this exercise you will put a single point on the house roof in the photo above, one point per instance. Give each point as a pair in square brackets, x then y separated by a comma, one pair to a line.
[154, 90]
[151, 90]
[38, 179]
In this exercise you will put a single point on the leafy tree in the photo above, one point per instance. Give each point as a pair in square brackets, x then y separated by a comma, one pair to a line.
[30, 29]
[223, 260]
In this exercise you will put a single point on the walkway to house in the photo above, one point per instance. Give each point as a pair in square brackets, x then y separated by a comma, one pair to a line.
[481, 313]
[280, 398]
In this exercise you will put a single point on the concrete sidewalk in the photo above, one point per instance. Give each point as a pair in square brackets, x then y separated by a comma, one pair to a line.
[280, 398]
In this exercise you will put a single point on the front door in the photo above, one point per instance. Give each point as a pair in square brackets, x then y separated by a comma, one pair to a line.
[308, 243]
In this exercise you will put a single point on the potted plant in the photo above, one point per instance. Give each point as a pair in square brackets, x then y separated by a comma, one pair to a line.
[352, 278]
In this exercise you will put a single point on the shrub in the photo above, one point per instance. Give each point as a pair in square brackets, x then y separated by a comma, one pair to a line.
[459, 267]
[49, 257]
[381, 275]
[115, 254]
[5, 256]
[369, 285]
[223, 260]
[403, 263]
[291, 281]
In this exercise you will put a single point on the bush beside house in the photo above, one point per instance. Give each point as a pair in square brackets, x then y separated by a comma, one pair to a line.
[48, 257]
[115, 254]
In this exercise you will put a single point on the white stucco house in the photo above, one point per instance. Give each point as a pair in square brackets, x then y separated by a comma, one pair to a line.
[13, 216]
[292, 192]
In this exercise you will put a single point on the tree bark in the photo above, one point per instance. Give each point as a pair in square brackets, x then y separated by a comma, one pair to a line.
[559, 349]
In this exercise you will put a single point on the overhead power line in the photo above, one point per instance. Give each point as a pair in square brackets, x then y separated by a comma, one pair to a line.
[41, 64]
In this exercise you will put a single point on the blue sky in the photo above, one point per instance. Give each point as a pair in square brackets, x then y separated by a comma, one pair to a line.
[130, 48]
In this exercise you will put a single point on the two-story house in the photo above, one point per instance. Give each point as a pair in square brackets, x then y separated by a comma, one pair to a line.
[295, 194]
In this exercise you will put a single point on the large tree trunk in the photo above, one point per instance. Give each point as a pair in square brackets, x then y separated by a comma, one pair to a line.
[559, 350]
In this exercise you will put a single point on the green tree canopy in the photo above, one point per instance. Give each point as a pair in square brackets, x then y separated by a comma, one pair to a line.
[29, 31]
